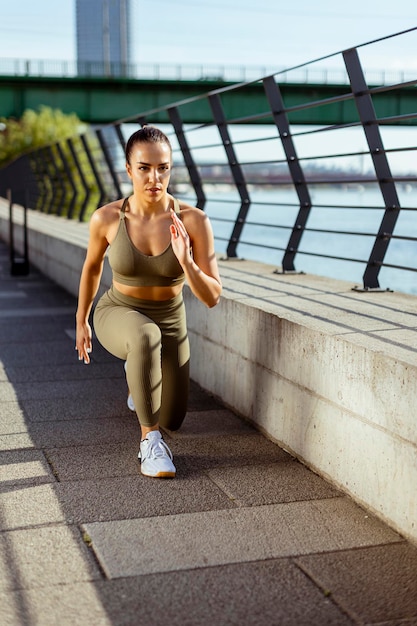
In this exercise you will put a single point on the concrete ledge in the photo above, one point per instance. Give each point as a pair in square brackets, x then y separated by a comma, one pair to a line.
[328, 373]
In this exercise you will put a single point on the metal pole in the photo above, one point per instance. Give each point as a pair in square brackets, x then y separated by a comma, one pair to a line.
[18, 266]
[11, 241]
[176, 122]
[276, 102]
[236, 170]
[383, 173]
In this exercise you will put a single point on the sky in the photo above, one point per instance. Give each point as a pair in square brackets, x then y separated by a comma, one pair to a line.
[254, 33]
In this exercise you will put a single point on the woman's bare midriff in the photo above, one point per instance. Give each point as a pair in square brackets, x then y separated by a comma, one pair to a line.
[149, 293]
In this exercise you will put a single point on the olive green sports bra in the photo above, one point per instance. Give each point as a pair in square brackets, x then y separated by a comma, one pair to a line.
[133, 268]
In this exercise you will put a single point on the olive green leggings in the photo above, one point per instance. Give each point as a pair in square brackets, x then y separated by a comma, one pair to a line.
[151, 336]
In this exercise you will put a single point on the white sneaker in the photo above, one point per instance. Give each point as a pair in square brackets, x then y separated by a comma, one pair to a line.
[156, 457]
[130, 402]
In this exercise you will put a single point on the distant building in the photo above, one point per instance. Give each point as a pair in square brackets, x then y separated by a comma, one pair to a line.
[104, 41]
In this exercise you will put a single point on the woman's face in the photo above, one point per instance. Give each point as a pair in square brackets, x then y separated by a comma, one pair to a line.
[150, 169]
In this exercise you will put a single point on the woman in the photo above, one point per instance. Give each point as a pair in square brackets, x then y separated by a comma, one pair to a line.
[155, 244]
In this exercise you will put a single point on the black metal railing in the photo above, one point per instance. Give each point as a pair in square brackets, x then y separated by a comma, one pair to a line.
[341, 195]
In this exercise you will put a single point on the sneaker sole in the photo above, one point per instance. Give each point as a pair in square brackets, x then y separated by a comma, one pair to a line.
[160, 475]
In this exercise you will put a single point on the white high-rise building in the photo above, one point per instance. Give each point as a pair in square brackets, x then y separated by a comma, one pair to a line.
[104, 41]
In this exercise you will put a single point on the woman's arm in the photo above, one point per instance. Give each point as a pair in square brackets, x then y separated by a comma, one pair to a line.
[89, 284]
[194, 232]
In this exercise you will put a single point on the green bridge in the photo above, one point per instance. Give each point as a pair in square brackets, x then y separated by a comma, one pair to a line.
[101, 100]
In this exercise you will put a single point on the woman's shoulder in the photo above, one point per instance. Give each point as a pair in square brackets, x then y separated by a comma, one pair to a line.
[104, 220]
[195, 220]
[190, 212]
[108, 213]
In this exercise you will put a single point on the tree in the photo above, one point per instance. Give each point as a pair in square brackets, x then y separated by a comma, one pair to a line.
[34, 130]
[61, 188]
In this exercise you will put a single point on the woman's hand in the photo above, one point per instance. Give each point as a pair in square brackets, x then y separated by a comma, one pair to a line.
[200, 267]
[83, 342]
[179, 239]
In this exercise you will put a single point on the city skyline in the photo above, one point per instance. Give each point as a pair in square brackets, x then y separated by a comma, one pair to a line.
[234, 32]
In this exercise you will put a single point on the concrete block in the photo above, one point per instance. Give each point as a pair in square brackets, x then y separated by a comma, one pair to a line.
[223, 596]
[18, 441]
[257, 485]
[31, 558]
[131, 497]
[12, 418]
[363, 582]
[75, 432]
[194, 540]
[24, 467]
[67, 605]
[29, 506]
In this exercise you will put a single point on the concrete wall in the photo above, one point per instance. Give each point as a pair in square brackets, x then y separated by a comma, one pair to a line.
[328, 373]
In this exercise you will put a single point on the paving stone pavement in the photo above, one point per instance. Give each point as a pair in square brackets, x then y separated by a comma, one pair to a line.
[244, 535]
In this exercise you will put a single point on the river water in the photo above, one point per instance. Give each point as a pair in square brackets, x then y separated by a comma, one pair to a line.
[349, 209]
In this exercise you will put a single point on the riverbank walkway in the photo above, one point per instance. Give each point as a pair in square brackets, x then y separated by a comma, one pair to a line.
[244, 535]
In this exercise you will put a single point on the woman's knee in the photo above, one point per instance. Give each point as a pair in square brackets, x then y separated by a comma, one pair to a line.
[145, 337]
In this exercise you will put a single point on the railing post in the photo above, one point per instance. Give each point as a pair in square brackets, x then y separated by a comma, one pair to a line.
[84, 183]
[36, 186]
[11, 235]
[49, 172]
[70, 179]
[177, 124]
[370, 126]
[276, 103]
[38, 168]
[237, 173]
[18, 266]
[120, 136]
[109, 162]
[57, 182]
[94, 170]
